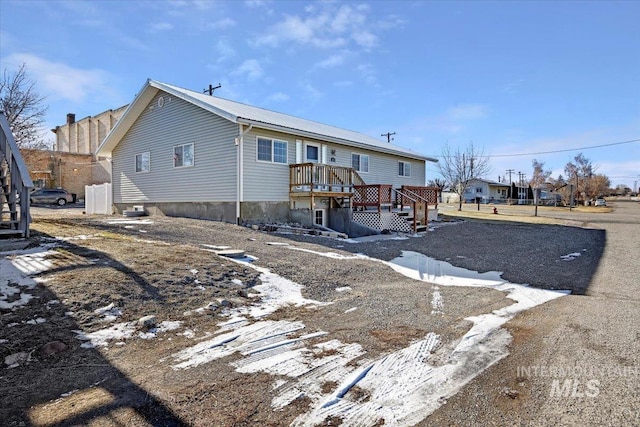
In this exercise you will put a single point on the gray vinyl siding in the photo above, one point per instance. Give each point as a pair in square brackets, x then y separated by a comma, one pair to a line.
[383, 168]
[157, 130]
[270, 181]
[263, 181]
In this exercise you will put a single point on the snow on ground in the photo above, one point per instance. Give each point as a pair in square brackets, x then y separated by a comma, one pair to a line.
[402, 387]
[437, 304]
[571, 256]
[122, 331]
[14, 285]
[129, 221]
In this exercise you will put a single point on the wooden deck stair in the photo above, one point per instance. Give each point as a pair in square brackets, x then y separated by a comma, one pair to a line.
[15, 184]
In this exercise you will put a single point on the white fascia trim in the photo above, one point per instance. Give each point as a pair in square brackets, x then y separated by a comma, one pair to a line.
[340, 141]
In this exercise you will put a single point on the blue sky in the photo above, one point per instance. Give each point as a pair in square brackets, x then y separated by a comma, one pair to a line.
[511, 77]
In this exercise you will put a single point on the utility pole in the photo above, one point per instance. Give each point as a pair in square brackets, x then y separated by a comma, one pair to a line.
[510, 171]
[211, 89]
[388, 135]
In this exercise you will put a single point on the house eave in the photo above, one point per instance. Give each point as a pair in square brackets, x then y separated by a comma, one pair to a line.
[349, 143]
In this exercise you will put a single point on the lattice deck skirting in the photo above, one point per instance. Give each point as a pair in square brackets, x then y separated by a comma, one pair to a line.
[382, 221]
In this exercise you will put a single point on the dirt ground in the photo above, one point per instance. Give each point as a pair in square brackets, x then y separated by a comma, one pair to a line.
[165, 271]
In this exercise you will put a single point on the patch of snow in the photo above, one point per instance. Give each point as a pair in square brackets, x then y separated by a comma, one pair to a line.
[216, 247]
[109, 313]
[436, 302]
[570, 257]
[36, 321]
[13, 283]
[343, 289]
[33, 263]
[101, 338]
[129, 221]
[237, 282]
[277, 244]
[79, 237]
[162, 327]
[188, 333]
[352, 309]
[193, 271]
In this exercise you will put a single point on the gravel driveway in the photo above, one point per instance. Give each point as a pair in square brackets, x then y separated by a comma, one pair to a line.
[544, 256]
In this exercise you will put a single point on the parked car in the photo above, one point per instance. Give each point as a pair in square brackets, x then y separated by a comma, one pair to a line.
[600, 202]
[58, 196]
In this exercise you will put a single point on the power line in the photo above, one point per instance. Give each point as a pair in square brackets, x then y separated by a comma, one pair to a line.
[557, 151]
[567, 149]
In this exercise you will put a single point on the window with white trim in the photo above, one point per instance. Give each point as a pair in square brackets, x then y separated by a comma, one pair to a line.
[360, 162]
[183, 155]
[404, 168]
[143, 162]
[272, 150]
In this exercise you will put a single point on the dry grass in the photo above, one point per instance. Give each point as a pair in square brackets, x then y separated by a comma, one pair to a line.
[548, 215]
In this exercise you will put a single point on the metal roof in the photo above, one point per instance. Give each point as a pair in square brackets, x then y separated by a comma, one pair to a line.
[260, 118]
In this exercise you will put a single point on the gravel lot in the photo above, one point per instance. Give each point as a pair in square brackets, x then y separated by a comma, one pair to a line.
[392, 310]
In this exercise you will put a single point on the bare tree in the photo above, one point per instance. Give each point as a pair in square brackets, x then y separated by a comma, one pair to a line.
[597, 186]
[440, 183]
[23, 106]
[459, 168]
[540, 175]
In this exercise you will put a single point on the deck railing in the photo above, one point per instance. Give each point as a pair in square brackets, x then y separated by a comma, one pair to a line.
[317, 177]
[373, 195]
[16, 181]
[428, 194]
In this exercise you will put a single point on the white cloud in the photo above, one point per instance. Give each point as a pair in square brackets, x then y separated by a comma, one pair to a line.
[466, 112]
[251, 69]
[133, 42]
[278, 97]
[332, 61]
[61, 80]
[161, 26]
[222, 24]
[343, 83]
[325, 26]
[513, 87]
[391, 22]
[368, 73]
[311, 92]
[365, 39]
[224, 50]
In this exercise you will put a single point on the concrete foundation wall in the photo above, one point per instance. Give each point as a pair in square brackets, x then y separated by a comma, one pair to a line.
[217, 211]
[265, 212]
[341, 220]
[258, 212]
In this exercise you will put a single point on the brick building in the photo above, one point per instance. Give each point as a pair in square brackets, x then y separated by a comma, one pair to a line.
[72, 163]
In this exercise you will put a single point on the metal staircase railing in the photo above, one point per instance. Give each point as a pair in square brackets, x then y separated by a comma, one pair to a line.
[15, 184]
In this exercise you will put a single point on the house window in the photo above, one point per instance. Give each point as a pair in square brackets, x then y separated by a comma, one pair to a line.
[143, 162]
[183, 155]
[272, 150]
[319, 217]
[479, 190]
[312, 153]
[404, 168]
[360, 162]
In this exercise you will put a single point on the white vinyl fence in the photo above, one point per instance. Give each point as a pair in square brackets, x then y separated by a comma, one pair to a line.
[98, 199]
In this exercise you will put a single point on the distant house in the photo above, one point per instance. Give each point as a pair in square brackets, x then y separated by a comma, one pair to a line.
[486, 191]
[178, 152]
